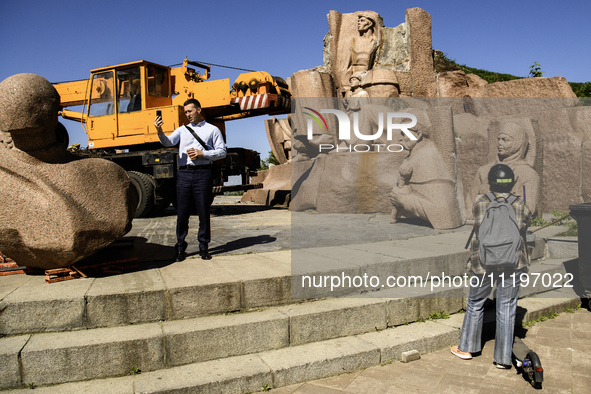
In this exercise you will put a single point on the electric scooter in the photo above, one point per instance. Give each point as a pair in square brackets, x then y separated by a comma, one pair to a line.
[525, 358]
[528, 360]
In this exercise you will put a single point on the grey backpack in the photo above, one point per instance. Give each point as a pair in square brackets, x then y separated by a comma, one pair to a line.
[499, 237]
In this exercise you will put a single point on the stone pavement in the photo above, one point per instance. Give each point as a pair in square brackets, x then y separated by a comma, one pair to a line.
[244, 228]
[562, 343]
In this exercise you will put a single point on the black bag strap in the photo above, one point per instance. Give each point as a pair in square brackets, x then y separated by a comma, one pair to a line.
[203, 144]
[469, 239]
[511, 199]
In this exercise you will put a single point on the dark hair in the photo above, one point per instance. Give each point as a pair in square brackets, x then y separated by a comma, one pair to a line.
[193, 101]
[501, 178]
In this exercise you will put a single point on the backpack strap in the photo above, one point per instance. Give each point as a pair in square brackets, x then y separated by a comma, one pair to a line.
[512, 198]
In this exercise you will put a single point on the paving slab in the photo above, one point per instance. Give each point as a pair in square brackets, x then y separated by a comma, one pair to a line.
[436, 369]
[120, 385]
[251, 271]
[265, 277]
[424, 337]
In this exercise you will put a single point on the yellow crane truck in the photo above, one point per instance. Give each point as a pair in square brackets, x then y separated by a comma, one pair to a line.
[119, 104]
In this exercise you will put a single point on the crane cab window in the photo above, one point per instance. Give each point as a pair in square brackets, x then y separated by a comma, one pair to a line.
[129, 90]
[158, 81]
[102, 99]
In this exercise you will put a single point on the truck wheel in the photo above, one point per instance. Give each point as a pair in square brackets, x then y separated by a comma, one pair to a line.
[165, 193]
[145, 189]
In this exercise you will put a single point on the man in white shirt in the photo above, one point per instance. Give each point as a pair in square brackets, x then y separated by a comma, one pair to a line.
[194, 177]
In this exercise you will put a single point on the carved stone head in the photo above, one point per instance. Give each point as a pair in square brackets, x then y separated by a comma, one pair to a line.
[512, 142]
[365, 22]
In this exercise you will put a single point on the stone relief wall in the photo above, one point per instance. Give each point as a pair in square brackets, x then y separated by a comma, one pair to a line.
[365, 63]
[365, 59]
[558, 135]
[419, 182]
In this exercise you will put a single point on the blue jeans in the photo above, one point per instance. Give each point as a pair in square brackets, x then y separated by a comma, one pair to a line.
[193, 189]
[506, 307]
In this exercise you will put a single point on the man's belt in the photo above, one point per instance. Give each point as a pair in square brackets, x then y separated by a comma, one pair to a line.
[195, 167]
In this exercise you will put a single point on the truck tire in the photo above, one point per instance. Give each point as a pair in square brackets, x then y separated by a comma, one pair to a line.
[144, 186]
[165, 193]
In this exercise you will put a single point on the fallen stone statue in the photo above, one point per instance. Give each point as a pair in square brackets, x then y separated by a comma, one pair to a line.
[55, 209]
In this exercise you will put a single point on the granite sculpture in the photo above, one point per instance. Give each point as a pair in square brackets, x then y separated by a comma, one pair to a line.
[55, 209]
[514, 149]
[424, 188]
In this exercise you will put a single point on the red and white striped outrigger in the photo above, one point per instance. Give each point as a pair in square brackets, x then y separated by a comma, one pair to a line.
[258, 101]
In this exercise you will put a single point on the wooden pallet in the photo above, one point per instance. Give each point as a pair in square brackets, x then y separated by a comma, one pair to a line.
[109, 267]
[104, 268]
[9, 266]
[61, 274]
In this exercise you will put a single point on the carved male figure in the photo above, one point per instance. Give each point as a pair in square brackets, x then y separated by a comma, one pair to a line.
[364, 45]
[351, 103]
[424, 188]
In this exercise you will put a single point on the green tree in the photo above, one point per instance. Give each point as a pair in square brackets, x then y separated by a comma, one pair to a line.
[535, 70]
[585, 90]
[271, 159]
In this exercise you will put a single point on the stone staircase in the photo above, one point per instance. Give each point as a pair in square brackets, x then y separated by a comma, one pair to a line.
[238, 323]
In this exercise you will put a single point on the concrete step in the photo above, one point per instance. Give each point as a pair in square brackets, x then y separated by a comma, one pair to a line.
[161, 317]
[196, 288]
[51, 358]
[163, 292]
[294, 364]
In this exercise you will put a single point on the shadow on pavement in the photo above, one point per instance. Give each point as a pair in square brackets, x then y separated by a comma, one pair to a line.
[242, 243]
[127, 254]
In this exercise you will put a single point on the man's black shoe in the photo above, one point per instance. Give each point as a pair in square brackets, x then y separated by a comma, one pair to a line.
[180, 256]
[204, 255]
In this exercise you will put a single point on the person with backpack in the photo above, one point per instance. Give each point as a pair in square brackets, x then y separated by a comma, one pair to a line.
[498, 255]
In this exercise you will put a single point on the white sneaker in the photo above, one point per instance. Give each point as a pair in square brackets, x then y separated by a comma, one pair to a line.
[461, 354]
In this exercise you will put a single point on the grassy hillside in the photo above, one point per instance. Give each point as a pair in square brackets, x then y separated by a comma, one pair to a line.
[442, 64]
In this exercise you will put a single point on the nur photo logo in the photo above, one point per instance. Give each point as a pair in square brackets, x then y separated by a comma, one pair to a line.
[386, 121]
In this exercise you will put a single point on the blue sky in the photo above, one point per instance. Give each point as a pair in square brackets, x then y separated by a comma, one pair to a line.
[63, 40]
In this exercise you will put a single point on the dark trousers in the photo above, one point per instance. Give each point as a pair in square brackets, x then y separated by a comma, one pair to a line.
[193, 189]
